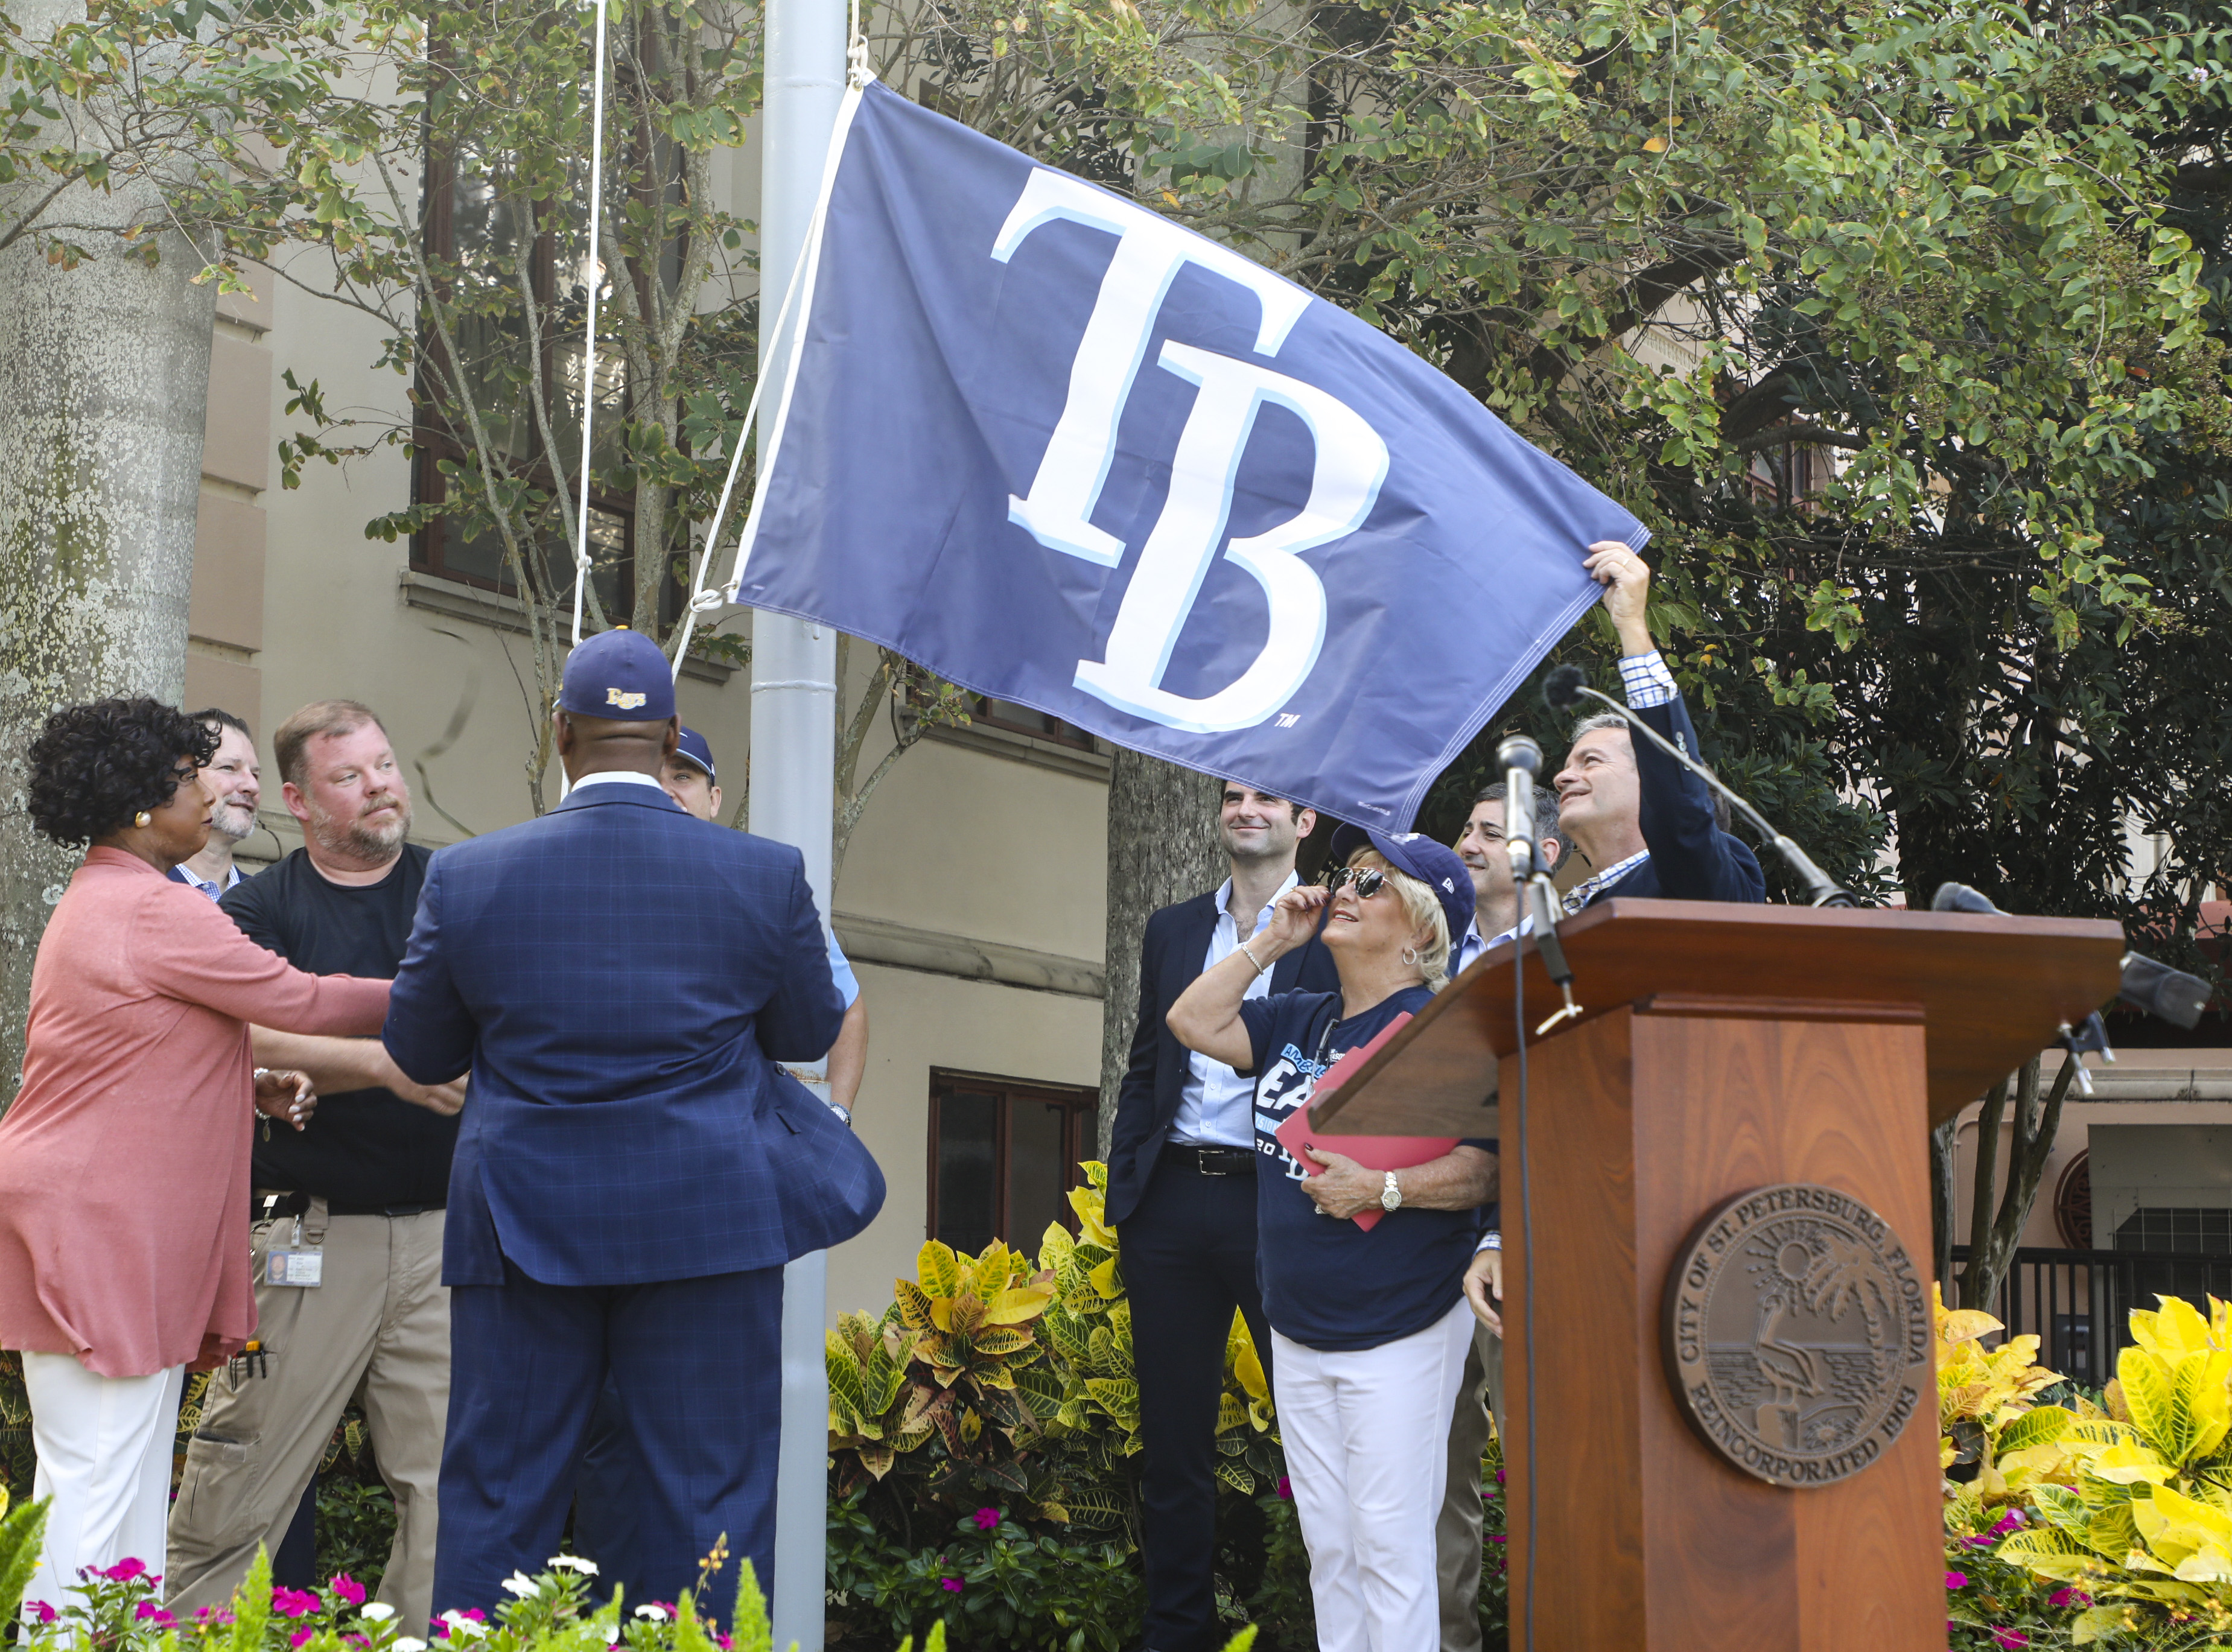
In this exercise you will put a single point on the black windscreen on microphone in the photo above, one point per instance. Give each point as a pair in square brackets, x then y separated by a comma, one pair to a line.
[1563, 688]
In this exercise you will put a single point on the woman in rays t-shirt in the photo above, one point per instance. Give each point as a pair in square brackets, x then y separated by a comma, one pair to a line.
[1369, 1328]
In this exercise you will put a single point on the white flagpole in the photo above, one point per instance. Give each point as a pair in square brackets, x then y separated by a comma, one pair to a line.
[793, 756]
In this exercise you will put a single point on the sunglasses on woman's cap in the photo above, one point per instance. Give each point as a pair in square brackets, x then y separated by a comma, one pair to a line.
[1369, 880]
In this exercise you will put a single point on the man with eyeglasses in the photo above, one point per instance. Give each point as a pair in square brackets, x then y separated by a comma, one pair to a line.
[1182, 1187]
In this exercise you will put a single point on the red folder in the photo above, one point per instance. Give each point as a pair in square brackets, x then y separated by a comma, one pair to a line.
[1373, 1152]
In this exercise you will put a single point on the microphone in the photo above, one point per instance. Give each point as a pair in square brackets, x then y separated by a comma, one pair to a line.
[1520, 760]
[2147, 985]
[1562, 690]
[1566, 687]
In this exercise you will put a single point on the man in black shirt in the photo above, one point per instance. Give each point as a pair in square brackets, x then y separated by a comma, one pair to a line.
[348, 1231]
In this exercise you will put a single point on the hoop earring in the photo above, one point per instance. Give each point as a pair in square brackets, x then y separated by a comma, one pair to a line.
[1411, 957]
[143, 819]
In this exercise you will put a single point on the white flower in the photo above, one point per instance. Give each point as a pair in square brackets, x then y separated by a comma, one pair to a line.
[611, 1634]
[377, 1611]
[656, 1613]
[406, 1643]
[461, 1625]
[519, 1583]
[586, 1567]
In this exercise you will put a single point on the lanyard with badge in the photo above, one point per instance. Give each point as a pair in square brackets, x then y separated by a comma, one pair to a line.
[298, 1262]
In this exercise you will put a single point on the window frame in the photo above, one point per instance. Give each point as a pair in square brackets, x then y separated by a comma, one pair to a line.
[1063, 734]
[1081, 1104]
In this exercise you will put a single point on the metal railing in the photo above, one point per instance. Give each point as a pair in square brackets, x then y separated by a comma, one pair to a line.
[2078, 1303]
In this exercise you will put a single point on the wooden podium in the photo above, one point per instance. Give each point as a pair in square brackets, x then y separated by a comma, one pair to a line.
[1722, 1049]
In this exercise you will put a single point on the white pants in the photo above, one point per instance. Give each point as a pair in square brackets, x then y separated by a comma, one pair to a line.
[1367, 1435]
[104, 1446]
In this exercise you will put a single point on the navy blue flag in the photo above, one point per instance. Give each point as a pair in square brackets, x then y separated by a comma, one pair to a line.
[1063, 452]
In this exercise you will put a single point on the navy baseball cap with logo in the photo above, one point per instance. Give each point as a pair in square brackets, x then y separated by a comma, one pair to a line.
[1435, 865]
[694, 750]
[619, 675]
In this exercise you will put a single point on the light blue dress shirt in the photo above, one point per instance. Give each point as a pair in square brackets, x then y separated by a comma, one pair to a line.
[1216, 1106]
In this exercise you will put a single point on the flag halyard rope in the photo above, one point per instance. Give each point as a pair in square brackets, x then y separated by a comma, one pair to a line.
[592, 270]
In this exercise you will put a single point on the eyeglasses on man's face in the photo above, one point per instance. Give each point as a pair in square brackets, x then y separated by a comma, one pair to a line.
[1369, 881]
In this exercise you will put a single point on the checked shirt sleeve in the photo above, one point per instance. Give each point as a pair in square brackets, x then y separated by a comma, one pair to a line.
[1646, 680]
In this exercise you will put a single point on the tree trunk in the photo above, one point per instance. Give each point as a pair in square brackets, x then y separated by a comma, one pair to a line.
[1162, 847]
[104, 377]
[2035, 1122]
[1940, 1211]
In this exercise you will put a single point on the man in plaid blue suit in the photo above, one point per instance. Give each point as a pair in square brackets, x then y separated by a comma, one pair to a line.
[632, 1171]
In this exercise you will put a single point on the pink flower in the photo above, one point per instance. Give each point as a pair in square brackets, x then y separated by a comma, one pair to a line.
[302, 1634]
[2009, 1638]
[347, 1588]
[1956, 1580]
[1497, 1537]
[2012, 1521]
[1977, 1543]
[294, 1603]
[46, 1613]
[148, 1612]
[726, 1644]
[125, 1571]
[2069, 1597]
[1286, 1488]
[986, 1519]
[214, 1614]
[951, 1585]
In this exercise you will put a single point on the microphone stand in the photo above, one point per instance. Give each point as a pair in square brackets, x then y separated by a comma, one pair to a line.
[1824, 891]
[1520, 759]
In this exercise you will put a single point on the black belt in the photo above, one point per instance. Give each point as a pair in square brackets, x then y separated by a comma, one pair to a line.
[1211, 1161]
[267, 1206]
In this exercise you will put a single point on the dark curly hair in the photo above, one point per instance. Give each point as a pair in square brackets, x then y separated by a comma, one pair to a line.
[93, 767]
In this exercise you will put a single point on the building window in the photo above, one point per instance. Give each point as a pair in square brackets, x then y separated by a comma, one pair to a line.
[2155, 1228]
[1003, 1156]
[985, 711]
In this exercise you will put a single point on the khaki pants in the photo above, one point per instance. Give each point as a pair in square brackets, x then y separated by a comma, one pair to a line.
[376, 1331]
[1457, 1533]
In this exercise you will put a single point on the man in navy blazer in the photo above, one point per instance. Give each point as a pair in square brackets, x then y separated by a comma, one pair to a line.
[1641, 823]
[1182, 1187]
[632, 1172]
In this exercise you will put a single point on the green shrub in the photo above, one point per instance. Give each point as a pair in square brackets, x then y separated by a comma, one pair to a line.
[995, 1586]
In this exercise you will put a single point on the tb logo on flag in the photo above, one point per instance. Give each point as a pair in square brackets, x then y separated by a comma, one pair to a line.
[1350, 464]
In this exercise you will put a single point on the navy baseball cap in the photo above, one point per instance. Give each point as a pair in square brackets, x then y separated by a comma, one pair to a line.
[619, 675]
[693, 750]
[1435, 865]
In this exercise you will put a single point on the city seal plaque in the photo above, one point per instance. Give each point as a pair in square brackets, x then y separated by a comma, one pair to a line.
[1797, 1334]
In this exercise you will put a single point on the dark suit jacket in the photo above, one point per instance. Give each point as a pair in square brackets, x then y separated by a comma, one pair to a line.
[620, 978]
[1691, 859]
[1171, 952]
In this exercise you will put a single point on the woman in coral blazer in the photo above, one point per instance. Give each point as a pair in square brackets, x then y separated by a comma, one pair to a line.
[124, 1160]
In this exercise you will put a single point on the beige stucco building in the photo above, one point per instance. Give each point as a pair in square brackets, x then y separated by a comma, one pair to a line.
[971, 901]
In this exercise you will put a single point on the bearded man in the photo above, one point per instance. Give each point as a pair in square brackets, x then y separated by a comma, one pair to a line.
[348, 1212]
[237, 784]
